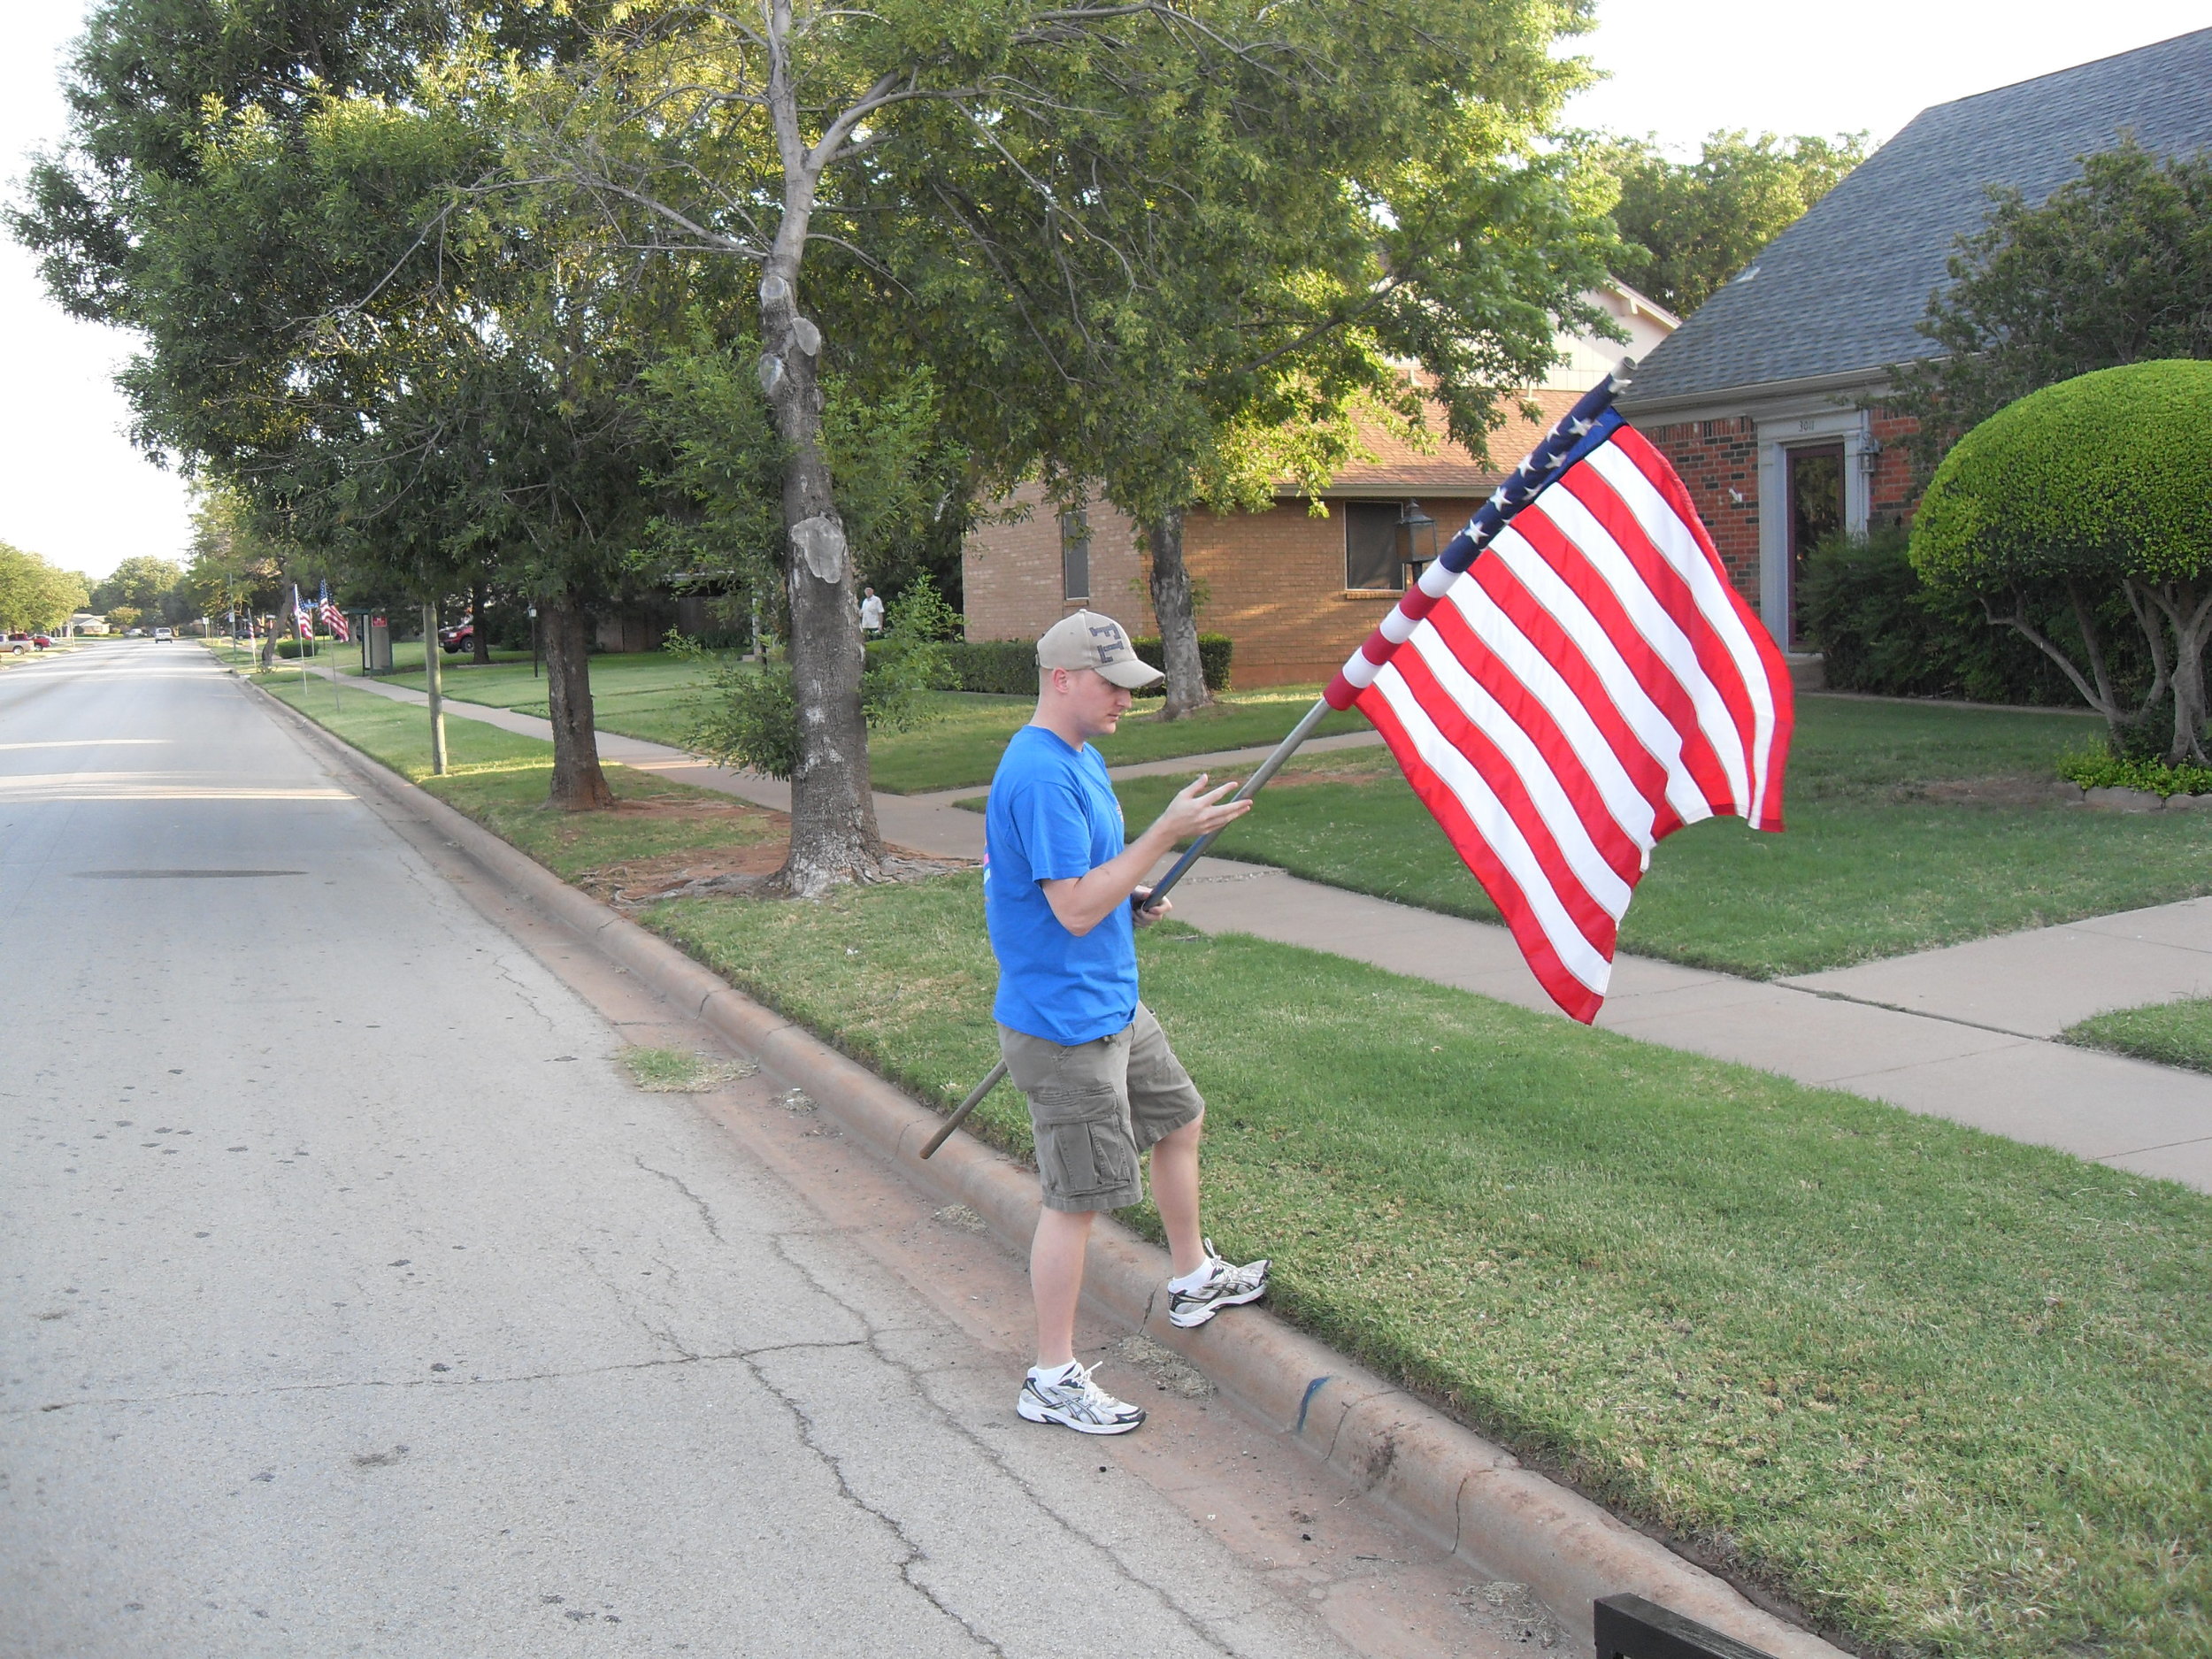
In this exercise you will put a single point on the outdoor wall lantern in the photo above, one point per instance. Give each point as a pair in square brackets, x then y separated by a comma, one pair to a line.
[1417, 542]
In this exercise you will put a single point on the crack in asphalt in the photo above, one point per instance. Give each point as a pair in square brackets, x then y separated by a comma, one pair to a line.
[706, 1215]
[990, 1455]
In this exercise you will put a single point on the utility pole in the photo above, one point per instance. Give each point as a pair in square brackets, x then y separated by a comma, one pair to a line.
[434, 684]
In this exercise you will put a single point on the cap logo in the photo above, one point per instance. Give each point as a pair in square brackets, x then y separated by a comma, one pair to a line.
[1110, 650]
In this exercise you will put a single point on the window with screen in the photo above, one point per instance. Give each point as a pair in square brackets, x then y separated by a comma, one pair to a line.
[1075, 555]
[1371, 545]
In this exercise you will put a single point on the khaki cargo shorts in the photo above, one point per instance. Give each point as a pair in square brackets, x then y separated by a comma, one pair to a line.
[1095, 1106]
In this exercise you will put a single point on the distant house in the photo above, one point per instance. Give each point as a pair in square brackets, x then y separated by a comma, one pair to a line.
[1293, 592]
[86, 622]
[1767, 398]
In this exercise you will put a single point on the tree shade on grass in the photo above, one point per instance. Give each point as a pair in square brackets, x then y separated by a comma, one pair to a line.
[2168, 1033]
[1946, 1392]
[499, 780]
[1909, 827]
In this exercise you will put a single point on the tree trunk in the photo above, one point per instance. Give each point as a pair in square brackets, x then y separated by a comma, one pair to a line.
[833, 834]
[579, 785]
[480, 639]
[1178, 623]
[2190, 618]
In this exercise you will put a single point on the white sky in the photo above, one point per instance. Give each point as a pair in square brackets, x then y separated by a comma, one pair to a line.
[73, 490]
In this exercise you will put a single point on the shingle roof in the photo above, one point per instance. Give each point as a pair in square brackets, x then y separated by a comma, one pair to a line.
[1399, 468]
[1840, 289]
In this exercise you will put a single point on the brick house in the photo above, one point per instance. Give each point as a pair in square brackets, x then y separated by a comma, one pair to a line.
[1767, 399]
[1295, 592]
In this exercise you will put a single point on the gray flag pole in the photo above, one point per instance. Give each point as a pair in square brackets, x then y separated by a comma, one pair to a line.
[1543, 464]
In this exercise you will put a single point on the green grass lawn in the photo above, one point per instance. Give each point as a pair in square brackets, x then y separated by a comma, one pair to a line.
[963, 746]
[1948, 1392]
[1909, 827]
[654, 696]
[2171, 1033]
[501, 779]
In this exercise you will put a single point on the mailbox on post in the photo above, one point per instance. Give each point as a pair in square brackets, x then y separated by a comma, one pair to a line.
[376, 645]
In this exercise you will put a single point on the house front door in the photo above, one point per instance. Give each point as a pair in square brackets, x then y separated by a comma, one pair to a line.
[1816, 501]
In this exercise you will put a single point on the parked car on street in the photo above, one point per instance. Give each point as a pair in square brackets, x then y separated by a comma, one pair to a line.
[134, 634]
[164, 634]
[459, 637]
[19, 644]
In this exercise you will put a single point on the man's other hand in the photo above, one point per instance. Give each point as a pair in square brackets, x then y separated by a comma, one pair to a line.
[1149, 909]
[1197, 810]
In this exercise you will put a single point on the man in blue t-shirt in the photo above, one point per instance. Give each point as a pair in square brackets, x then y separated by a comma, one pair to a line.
[1061, 895]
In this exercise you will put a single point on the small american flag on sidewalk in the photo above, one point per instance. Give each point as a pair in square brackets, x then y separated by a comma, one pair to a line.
[1592, 684]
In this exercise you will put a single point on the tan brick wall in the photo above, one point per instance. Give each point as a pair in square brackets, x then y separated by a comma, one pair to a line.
[1272, 581]
[1010, 572]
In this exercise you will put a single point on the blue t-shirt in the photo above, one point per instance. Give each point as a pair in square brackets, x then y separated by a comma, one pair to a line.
[1053, 815]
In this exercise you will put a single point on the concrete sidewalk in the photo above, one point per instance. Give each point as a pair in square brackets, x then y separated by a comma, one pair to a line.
[1964, 1032]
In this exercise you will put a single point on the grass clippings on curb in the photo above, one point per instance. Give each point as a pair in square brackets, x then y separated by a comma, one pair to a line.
[1948, 1392]
[681, 1072]
[2168, 1033]
[1908, 828]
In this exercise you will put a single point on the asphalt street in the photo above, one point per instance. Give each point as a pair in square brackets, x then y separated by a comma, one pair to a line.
[353, 1299]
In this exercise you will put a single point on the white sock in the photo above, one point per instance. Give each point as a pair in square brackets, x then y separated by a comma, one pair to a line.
[1052, 1373]
[1192, 1281]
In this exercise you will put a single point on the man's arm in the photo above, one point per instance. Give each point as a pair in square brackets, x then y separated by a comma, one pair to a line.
[1081, 902]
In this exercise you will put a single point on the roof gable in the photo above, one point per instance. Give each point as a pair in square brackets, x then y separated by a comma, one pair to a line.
[1840, 289]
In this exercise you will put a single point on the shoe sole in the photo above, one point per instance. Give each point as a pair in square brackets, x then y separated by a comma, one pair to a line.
[1045, 1414]
[1191, 1321]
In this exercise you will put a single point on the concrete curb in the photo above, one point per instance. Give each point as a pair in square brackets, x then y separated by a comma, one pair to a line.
[1464, 1494]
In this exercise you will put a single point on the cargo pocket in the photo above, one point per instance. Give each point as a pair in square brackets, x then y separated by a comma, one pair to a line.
[1084, 1150]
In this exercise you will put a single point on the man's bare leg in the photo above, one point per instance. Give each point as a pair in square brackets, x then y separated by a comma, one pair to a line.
[1055, 1281]
[1175, 1194]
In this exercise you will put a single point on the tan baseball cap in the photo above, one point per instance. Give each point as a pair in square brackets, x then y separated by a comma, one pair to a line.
[1086, 639]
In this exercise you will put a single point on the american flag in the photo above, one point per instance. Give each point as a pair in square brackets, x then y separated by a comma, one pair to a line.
[302, 619]
[333, 618]
[1594, 683]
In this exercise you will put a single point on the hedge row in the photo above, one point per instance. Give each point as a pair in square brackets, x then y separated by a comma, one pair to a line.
[1882, 630]
[1008, 667]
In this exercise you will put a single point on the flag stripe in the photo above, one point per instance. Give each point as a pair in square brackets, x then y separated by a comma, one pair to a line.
[1499, 860]
[1595, 684]
[1515, 774]
[1454, 655]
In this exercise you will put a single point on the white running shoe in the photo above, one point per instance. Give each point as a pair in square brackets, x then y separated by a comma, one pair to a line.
[1225, 1286]
[1077, 1402]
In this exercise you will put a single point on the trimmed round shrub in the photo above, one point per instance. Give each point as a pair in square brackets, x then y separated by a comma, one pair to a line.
[2101, 477]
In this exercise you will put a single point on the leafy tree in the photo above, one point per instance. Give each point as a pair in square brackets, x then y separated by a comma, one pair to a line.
[1256, 241]
[2081, 490]
[1108, 228]
[2114, 267]
[36, 595]
[1697, 223]
[146, 584]
[235, 566]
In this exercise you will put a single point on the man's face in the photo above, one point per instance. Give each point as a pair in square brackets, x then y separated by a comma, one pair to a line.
[1095, 702]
